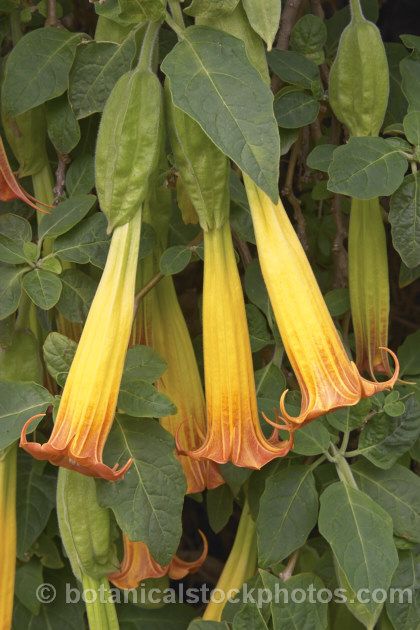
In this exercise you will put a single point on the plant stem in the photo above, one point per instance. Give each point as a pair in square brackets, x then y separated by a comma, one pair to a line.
[145, 63]
[177, 13]
[99, 605]
[344, 470]
[15, 26]
[174, 26]
[356, 11]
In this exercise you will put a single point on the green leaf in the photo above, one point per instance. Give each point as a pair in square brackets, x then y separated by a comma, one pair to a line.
[397, 491]
[43, 287]
[408, 354]
[174, 259]
[21, 361]
[264, 17]
[141, 399]
[219, 507]
[289, 611]
[76, 297]
[147, 240]
[66, 215]
[203, 624]
[211, 67]
[96, 68]
[407, 275]
[46, 550]
[404, 217]
[35, 499]
[403, 608]
[294, 108]
[365, 168]
[234, 476]
[86, 242]
[360, 534]
[321, 157]
[27, 580]
[270, 382]
[349, 418]
[37, 68]
[63, 128]
[50, 264]
[338, 302]
[293, 67]
[249, 618]
[309, 36]
[19, 401]
[143, 362]
[410, 83]
[288, 512]
[148, 502]
[384, 439]
[312, 439]
[411, 124]
[15, 232]
[58, 351]
[257, 326]
[210, 8]
[80, 176]
[255, 286]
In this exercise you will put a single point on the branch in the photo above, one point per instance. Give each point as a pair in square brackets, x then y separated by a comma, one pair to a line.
[294, 201]
[289, 17]
[60, 176]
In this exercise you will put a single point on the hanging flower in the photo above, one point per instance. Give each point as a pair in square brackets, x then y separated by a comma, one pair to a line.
[89, 398]
[327, 378]
[10, 187]
[138, 565]
[160, 324]
[233, 429]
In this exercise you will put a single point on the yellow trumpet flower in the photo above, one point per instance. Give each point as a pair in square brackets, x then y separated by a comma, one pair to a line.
[160, 324]
[233, 429]
[327, 378]
[138, 565]
[8, 537]
[89, 399]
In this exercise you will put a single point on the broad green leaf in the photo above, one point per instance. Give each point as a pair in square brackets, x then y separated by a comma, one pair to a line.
[148, 502]
[86, 242]
[240, 215]
[147, 240]
[384, 439]
[312, 439]
[309, 36]
[21, 360]
[249, 618]
[407, 275]
[138, 11]
[144, 363]
[397, 491]
[255, 286]
[27, 580]
[66, 215]
[249, 593]
[234, 476]
[397, 103]
[10, 289]
[288, 512]
[77, 294]
[294, 108]
[204, 624]
[337, 301]
[19, 401]
[264, 17]
[43, 287]
[411, 124]
[63, 128]
[80, 175]
[35, 499]
[96, 68]
[210, 79]
[408, 354]
[174, 259]
[58, 351]
[349, 418]
[360, 534]
[404, 217]
[410, 83]
[37, 68]
[173, 616]
[365, 168]
[141, 399]
[403, 603]
[289, 610]
[46, 550]
[15, 232]
[321, 157]
[257, 327]
[287, 139]
[210, 8]
[270, 382]
[219, 507]
[293, 67]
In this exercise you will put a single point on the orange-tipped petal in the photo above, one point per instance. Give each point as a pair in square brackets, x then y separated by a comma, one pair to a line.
[327, 378]
[89, 399]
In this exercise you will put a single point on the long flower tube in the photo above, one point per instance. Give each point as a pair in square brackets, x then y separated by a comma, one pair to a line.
[327, 378]
[8, 534]
[240, 565]
[90, 394]
[233, 429]
[138, 565]
[160, 324]
[369, 285]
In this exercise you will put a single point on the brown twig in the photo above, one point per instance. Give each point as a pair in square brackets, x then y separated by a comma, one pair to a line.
[289, 17]
[144, 290]
[317, 9]
[60, 176]
[288, 192]
[243, 249]
[52, 19]
[290, 566]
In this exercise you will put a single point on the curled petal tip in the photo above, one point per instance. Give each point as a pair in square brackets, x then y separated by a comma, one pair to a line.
[23, 440]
